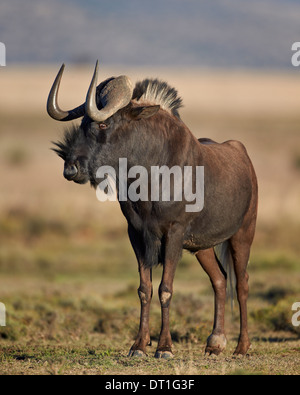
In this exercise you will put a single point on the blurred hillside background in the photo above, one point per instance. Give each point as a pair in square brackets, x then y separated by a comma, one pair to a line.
[68, 275]
[231, 33]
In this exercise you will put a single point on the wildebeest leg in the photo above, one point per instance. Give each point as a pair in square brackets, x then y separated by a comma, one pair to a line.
[173, 250]
[216, 342]
[240, 247]
[145, 292]
[240, 254]
[145, 295]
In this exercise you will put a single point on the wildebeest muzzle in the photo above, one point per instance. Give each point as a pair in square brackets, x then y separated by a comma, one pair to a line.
[70, 171]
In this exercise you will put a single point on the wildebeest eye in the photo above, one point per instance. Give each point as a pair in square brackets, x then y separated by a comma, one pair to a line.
[102, 126]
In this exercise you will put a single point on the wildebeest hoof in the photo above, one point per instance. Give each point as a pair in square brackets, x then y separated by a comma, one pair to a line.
[137, 353]
[164, 354]
[215, 344]
[242, 349]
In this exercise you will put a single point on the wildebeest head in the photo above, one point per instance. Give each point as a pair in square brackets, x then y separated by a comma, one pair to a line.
[106, 107]
[101, 103]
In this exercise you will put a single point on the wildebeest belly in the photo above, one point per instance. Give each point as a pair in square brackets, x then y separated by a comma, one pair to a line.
[202, 234]
[213, 226]
[227, 196]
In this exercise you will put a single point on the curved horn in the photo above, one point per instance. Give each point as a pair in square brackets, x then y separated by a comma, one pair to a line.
[53, 108]
[116, 94]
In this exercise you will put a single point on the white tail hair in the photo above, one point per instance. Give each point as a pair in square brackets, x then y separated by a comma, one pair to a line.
[224, 256]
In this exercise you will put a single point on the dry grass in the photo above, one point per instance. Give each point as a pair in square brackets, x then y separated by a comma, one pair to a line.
[68, 276]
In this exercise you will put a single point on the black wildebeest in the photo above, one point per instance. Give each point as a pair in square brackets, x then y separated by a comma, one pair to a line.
[143, 125]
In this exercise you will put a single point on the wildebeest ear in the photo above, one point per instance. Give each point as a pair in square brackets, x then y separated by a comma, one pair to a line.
[144, 111]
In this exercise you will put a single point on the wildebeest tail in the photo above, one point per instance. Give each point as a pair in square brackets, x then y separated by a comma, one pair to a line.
[224, 257]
